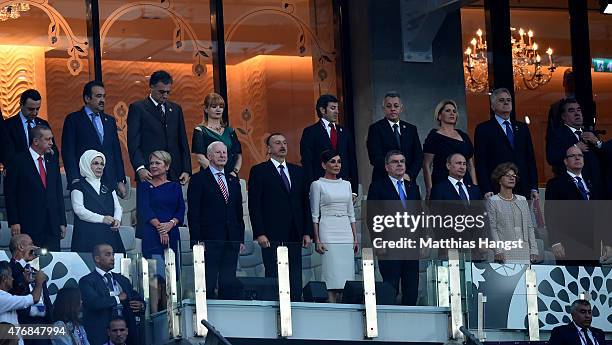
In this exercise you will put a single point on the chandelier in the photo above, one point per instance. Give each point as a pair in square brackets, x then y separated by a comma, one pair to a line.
[527, 64]
[12, 11]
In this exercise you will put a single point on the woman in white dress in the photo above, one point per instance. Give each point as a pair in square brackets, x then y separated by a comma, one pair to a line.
[510, 218]
[333, 216]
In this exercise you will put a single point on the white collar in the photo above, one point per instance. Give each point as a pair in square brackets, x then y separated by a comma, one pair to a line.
[454, 181]
[215, 171]
[394, 180]
[35, 155]
[391, 123]
[326, 123]
[574, 175]
[501, 120]
[101, 272]
[574, 129]
[155, 103]
[277, 163]
[22, 262]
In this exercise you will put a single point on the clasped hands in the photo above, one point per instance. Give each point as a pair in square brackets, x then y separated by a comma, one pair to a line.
[265, 243]
[114, 223]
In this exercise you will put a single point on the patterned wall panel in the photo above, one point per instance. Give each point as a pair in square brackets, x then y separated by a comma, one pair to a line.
[19, 72]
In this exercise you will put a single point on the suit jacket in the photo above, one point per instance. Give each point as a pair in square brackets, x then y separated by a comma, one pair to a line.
[210, 217]
[491, 148]
[80, 135]
[149, 130]
[6, 145]
[446, 191]
[17, 136]
[98, 306]
[21, 288]
[382, 140]
[385, 190]
[279, 214]
[568, 335]
[557, 143]
[30, 204]
[315, 140]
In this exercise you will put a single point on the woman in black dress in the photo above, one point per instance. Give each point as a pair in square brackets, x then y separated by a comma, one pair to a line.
[97, 212]
[214, 128]
[444, 141]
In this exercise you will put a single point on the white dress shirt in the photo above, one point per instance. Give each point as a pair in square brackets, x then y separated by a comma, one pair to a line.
[286, 169]
[399, 127]
[394, 181]
[581, 335]
[582, 181]
[501, 121]
[327, 128]
[9, 304]
[88, 216]
[215, 171]
[35, 156]
[116, 287]
[454, 181]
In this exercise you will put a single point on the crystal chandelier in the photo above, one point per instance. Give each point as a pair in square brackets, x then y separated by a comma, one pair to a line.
[527, 65]
[12, 11]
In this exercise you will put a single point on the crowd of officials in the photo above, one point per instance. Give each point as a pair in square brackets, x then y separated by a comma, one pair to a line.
[289, 204]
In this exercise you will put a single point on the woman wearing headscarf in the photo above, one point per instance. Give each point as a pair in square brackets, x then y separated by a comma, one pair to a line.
[96, 207]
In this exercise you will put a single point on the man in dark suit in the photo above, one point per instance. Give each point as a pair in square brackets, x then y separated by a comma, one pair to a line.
[34, 196]
[22, 251]
[396, 187]
[324, 135]
[454, 188]
[572, 133]
[391, 133]
[155, 123]
[5, 142]
[570, 225]
[502, 139]
[105, 295]
[215, 217]
[579, 331]
[20, 125]
[280, 210]
[91, 129]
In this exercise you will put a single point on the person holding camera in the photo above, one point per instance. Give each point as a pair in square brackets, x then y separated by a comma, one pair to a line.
[23, 251]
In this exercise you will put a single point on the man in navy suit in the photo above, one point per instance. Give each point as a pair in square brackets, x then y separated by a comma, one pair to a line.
[579, 331]
[280, 211]
[18, 127]
[22, 250]
[34, 195]
[396, 187]
[215, 217]
[105, 295]
[91, 129]
[454, 188]
[503, 139]
[391, 133]
[324, 135]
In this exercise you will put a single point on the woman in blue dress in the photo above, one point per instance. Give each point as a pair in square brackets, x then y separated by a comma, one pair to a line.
[161, 210]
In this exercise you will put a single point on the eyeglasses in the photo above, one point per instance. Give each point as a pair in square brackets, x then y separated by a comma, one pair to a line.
[511, 175]
[575, 155]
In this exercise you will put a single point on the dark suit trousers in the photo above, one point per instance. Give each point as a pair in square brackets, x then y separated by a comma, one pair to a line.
[49, 238]
[221, 260]
[406, 271]
[295, 266]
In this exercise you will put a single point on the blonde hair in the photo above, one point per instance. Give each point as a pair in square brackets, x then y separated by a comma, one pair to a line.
[163, 156]
[210, 100]
[443, 103]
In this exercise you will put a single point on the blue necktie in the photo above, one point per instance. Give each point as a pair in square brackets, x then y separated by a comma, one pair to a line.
[509, 133]
[99, 131]
[397, 135]
[462, 194]
[583, 191]
[401, 193]
[284, 177]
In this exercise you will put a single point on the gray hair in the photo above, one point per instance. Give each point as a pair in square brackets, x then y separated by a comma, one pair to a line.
[495, 94]
[212, 145]
[578, 302]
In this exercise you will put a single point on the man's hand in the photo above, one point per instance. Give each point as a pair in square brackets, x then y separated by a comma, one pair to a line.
[144, 174]
[407, 177]
[164, 239]
[263, 241]
[164, 228]
[306, 241]
[108, 220]
[27, 275]
[136, 306]
[535, 195]
[15, 229]
[63, 231]
[121, 190]
[40, 277]
[589, 138]
[320, 248]
[558, 251]
[122, 296]
[488, 195]
[582, 146]
[184, 178]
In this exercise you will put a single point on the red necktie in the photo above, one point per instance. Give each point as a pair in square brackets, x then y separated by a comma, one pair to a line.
[222, 186]
[333, 136]
[41, 170]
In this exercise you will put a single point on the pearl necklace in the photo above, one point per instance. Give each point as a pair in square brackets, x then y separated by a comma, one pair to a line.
[501, 197]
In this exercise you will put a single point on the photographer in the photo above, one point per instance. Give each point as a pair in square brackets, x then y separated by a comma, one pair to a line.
[9, 304]
[24, 251]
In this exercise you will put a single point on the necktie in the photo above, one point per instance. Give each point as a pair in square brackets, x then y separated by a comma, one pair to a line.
[462, 194]
[583, 191]
[402, 194]
[222, 187]
[42, 172]
[509, 132]
[109, 281]
[29, 124]
[333, 136]
[578, 133]
[586, 336]
[99, 130]
[397, 135]
[284, 177]
[162, 111]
